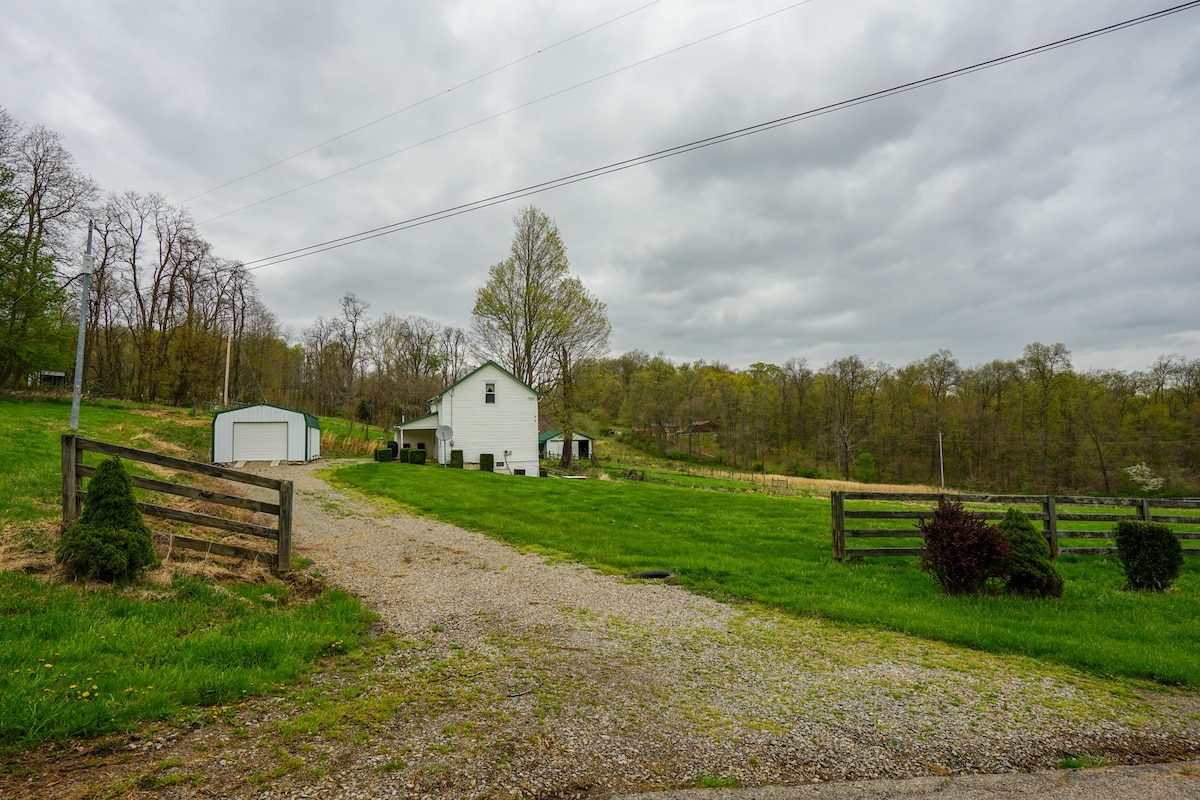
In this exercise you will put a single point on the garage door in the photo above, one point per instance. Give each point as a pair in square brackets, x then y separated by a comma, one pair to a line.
[260, 441]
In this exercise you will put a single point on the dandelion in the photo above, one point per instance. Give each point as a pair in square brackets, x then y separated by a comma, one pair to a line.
[87, 694]
[72, 686]
[48, 666]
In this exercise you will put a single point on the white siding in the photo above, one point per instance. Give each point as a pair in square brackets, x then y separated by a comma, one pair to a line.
[314, 443]
[297, 435]
[554, 447]
[511, 423]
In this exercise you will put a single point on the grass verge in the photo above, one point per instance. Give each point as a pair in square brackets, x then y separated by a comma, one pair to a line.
[776, 550]
[79, 663]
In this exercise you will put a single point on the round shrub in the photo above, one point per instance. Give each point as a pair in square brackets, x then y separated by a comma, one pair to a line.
[1030, 570]
[961, 550]
[110, 541]
[1150, 554]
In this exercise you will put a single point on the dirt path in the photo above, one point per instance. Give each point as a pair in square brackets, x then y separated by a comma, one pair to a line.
[501, 675]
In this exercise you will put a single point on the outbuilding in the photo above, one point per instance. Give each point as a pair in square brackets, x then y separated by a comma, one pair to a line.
[550, 445]
[263, 432]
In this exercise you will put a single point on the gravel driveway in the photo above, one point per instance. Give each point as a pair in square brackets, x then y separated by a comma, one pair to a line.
[507, 676]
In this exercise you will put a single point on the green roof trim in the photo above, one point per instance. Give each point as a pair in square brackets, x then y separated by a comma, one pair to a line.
[309, 420]
[414, 419]
[575, 437]
[481, 366]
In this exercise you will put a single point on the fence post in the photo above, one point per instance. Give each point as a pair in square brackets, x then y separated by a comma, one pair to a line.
[70, 482]
[1050, 526]
[837, 504]
[283, 555]
[1144, 509]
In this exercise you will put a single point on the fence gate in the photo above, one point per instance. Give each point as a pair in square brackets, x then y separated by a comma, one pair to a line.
[74, 471]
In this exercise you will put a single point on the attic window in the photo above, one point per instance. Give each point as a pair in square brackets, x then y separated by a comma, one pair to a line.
[489, 393]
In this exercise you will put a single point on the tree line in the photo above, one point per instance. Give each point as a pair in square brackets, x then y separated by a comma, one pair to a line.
[168, 319]
[1031, 424]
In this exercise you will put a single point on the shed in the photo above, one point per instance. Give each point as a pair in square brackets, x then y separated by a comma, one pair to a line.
[263, 432]
[550, 445]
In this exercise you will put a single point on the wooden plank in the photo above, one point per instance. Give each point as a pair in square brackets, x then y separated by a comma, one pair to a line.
[1074, 500]
[1176, 502]
[196, 493]
[1086, 551]
[1188, 535]
[208, 521]
[283, 553]
[884, 551]
[837, 508]
[219, 549]
[180, 464]
[884, 533]
[1098, 517]
[889, 514]
[1084, 534]
[1186, 520]
[1050, 523]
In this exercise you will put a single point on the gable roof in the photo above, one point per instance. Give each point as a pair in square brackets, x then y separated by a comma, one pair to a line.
[575, 437]
[481, 366]
[415, 419]
[309, 420]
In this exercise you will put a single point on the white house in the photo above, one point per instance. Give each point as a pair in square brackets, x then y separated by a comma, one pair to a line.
[264, 432]
[488, 411]
[550, 445]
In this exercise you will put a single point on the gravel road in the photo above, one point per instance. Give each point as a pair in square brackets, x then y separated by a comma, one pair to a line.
[507, 676]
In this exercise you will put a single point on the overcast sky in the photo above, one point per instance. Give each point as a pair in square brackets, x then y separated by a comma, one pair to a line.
[1053, 199]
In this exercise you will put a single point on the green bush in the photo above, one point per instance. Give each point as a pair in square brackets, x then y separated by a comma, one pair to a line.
[110, 541]
[383, 454]
[1030, 570]
[961, 550]
[1150, 554]
[487, 462]
[405, 455]
[456, 459]
[416, 456]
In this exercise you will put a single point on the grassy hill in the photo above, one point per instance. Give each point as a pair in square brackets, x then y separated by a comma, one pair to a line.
[82, 659]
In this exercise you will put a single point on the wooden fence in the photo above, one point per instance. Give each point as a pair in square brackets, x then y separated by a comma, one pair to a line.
[1049, 516]
[74, 471]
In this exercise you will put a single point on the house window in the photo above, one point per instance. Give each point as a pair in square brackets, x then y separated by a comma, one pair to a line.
[420, 445]
[489, 393]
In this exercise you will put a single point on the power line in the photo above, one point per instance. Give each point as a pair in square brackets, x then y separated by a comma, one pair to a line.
[499, 114]
[618, 166]
[411, 106]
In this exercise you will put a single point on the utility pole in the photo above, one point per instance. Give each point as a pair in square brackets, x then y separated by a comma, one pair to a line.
[77, 395]
[941, 461]
[228, 347]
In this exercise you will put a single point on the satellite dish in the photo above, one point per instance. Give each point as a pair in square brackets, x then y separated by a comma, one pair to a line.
[443, 432]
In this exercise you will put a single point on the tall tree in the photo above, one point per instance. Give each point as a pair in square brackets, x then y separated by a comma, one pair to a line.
[43, 202]
[536, 319]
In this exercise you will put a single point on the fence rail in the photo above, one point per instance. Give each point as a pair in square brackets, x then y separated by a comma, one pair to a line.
[74, 471]
[1049, 517]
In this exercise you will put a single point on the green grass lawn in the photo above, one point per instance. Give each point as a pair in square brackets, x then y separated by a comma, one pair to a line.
[776, 550]
[77, 663]
[82, 661]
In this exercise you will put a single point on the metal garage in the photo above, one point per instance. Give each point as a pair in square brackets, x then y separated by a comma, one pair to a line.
[264, 432]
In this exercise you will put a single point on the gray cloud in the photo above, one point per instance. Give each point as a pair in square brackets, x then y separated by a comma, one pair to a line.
[1051, 199]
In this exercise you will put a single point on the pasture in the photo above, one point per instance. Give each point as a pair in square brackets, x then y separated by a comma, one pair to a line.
[776, 550]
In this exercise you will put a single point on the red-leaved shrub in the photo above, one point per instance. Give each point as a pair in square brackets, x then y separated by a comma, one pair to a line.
[962, 550]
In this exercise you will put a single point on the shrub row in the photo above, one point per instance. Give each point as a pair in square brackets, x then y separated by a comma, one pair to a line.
[963, 552]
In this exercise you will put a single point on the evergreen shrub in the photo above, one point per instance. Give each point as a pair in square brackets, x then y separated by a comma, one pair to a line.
[383, 454]
[962, 551]
[110, 541]
[1031, 571]
[405, 455]
[416, 456]
[456, 459]
[487, 462]
[1150, 554]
